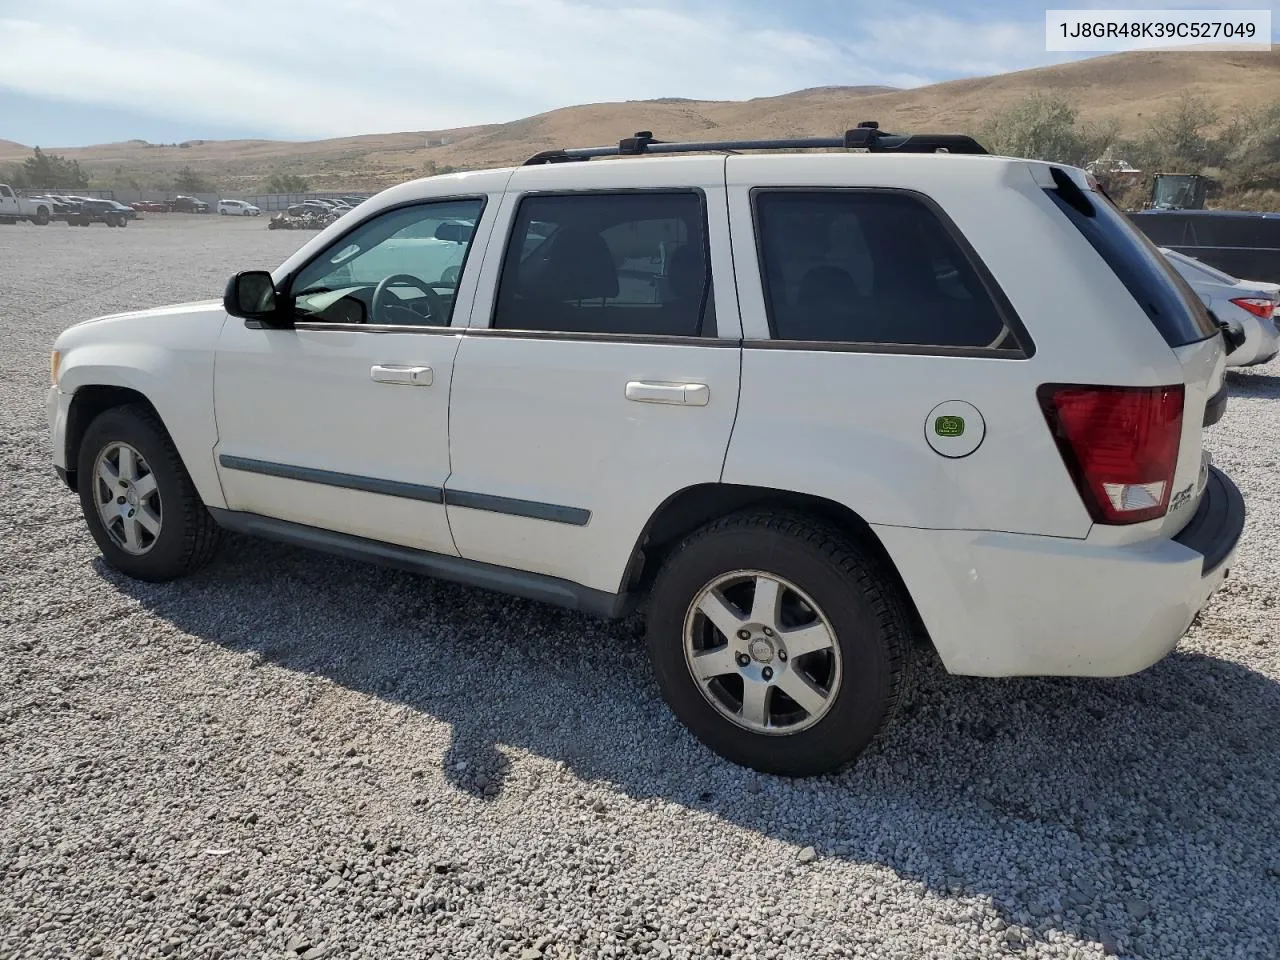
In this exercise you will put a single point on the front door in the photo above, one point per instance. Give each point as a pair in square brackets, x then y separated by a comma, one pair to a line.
[341, 422]
[599, 375]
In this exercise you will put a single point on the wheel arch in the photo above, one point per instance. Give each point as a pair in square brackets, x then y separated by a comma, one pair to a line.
[87, 404]
[693, 507]
[91, 399]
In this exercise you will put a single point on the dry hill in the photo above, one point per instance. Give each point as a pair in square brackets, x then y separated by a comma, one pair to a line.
[1127, 87]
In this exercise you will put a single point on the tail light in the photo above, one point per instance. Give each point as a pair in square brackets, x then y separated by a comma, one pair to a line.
[1120, 445]
[1258, 306]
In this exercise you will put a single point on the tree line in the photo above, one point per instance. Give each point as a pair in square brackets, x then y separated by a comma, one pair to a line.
[1191, 135]
[47, 171]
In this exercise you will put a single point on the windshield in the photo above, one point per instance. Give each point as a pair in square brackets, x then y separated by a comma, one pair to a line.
[1167, 299]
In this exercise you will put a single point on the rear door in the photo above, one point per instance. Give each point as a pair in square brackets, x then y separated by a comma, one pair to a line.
[599, 374]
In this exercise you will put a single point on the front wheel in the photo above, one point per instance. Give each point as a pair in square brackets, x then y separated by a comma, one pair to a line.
[779, 642]
[138, 499]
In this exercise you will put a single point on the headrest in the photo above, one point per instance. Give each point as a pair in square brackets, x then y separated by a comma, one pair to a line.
[579, 267]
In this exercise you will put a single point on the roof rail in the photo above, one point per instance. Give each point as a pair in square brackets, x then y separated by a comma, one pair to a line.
[867, 136]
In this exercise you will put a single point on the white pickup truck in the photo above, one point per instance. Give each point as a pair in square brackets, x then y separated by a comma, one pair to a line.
[14, 207]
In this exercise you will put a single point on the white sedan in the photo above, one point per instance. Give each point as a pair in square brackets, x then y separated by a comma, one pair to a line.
[1251, 305]
[238, 208]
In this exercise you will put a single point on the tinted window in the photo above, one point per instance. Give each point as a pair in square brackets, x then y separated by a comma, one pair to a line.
[1168, 300]
[870, 267]
[631, 263]
[400, 268]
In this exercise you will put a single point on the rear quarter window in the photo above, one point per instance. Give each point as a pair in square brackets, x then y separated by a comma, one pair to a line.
[1167, 299]
[877, 269]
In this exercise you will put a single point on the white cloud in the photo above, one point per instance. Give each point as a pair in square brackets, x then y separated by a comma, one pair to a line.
[333, 67]
[937, 42]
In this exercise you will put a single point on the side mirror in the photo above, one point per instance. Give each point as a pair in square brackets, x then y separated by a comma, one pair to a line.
[251, 295]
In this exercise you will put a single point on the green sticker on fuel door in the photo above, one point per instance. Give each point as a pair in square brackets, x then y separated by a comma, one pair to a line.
[948, 426]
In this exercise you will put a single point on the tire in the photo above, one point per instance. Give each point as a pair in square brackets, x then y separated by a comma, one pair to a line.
[42, 217]
[853, 682]
[124, 221]
[187, 536]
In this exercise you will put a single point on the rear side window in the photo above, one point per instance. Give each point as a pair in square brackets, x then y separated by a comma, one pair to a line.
[871, 267]
[1167, 299]
[633, 263]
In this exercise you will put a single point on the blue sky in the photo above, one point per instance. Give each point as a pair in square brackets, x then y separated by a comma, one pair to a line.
[77, 72]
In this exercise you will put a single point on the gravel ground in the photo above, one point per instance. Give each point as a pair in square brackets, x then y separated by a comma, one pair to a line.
[293, 755]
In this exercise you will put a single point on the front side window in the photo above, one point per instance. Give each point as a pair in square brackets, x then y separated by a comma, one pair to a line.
[870, 267]
[631, 263]
[400, 268]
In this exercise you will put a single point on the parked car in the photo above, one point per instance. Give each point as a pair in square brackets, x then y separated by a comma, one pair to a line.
[851, 400]
[151, 206]
[238, 208]
[60, 209]
[1249, 305]
[15, 207]
[110, 212]
[181, 204]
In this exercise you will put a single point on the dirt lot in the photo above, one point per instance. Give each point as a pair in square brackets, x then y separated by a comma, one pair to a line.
[293, 755]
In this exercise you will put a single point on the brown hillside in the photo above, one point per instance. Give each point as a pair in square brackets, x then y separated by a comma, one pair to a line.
[1128, 87]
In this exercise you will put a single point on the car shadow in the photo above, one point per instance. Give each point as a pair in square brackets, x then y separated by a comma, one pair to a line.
[1248, 384]
[1082, 788]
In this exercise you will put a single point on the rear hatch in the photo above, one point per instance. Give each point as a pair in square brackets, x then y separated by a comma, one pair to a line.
[1178, 314]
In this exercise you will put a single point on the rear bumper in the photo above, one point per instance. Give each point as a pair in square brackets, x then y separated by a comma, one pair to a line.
[1001, 604]
[1217, 525]
[1262, 343]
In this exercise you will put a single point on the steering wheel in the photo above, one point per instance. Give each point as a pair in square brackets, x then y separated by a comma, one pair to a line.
[385, 310]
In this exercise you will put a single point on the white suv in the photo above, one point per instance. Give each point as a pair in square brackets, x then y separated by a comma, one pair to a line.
[805, 407]
[238, 208]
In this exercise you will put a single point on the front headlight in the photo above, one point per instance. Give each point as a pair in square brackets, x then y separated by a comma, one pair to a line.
[55, 361]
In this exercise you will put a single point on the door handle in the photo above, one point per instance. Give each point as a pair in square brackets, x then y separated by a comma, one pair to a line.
[680, 394]
[397, 373]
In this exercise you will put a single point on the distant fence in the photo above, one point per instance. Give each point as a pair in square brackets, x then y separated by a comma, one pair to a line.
[267, 202]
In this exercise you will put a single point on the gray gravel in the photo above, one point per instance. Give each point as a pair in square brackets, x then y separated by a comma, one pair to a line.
[291, 755]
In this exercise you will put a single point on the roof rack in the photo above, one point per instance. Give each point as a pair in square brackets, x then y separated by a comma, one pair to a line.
[866, 136]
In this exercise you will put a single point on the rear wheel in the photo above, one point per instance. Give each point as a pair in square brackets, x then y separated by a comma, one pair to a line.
[138, 500]
[42, 217]
[780, 642]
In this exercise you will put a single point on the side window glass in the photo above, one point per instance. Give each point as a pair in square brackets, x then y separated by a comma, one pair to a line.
[874, 268]
[401, 268]
[633, 263]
